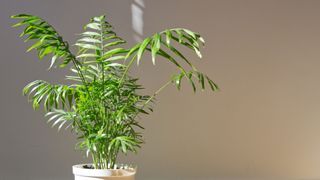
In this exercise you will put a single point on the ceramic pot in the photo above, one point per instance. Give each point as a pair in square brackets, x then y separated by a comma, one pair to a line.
[121, 173]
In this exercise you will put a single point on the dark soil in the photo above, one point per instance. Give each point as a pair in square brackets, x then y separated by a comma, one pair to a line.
[91, 167]
[88, 167]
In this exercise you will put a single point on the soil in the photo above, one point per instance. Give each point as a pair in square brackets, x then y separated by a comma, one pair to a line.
[88, 167]
[91, 167]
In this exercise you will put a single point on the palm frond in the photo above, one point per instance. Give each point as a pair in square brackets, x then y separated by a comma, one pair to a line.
[52, 96]
[46, 38]
[98, 41]
[191, 76]
[160, 44]
[60, 118]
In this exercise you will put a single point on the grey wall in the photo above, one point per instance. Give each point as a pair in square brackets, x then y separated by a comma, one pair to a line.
[263, 124]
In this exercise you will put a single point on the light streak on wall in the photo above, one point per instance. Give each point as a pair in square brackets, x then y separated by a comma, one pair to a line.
[137, 8]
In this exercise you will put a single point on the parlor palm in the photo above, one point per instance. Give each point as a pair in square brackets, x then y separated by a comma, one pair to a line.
[102, 105]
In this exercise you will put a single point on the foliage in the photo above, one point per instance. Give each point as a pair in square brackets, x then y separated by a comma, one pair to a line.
[103, 103]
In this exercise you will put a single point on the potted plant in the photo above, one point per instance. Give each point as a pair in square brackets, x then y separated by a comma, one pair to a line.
[102, 104]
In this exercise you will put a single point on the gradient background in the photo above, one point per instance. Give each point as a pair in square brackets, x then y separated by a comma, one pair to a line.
[263, 124]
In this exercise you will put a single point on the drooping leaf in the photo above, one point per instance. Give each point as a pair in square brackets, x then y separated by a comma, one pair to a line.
[34, 46]
[133, 50]
[48, 41]
[155, 46]
[53, 60]
[142, 48]
[168, 36]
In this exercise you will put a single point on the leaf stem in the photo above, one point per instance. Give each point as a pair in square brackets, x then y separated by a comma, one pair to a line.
[156, 93]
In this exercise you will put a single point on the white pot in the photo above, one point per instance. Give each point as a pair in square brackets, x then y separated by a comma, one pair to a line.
[122, 173]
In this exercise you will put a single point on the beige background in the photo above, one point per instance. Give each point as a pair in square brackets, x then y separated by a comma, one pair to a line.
[263, 124]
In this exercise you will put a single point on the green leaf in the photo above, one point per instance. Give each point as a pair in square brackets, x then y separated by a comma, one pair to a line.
[113, 52]
[175, 51]
[168, 36]
[133, 50]
[189, 76]
[70, 97]
[193, 47]
[53, 60]
[65, 62]
[48, 37]
[124, 148]
[87, 55]
[90, 33]
[213, 86]
[177, 80]
[115, 58]
[201, 80]
[142, 48]
[112, 37]
[88, 46]
[45, 51]
[93, 25]
[192, 41]
[27, 21]
[180, 35]
[98, 18]
[89, 40]
[192, 34]
[171, 59]
[74, 78]
[57, 121]
[21, 16]
[114, 43]
[198, 52]
[34, 46]
[27, 30]
[39, 84]
[202, 40]
[28, 86]
[155, 46]
[114, 65]
[61, 125]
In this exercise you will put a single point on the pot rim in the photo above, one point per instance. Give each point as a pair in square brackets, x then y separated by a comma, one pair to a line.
[124, 171]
